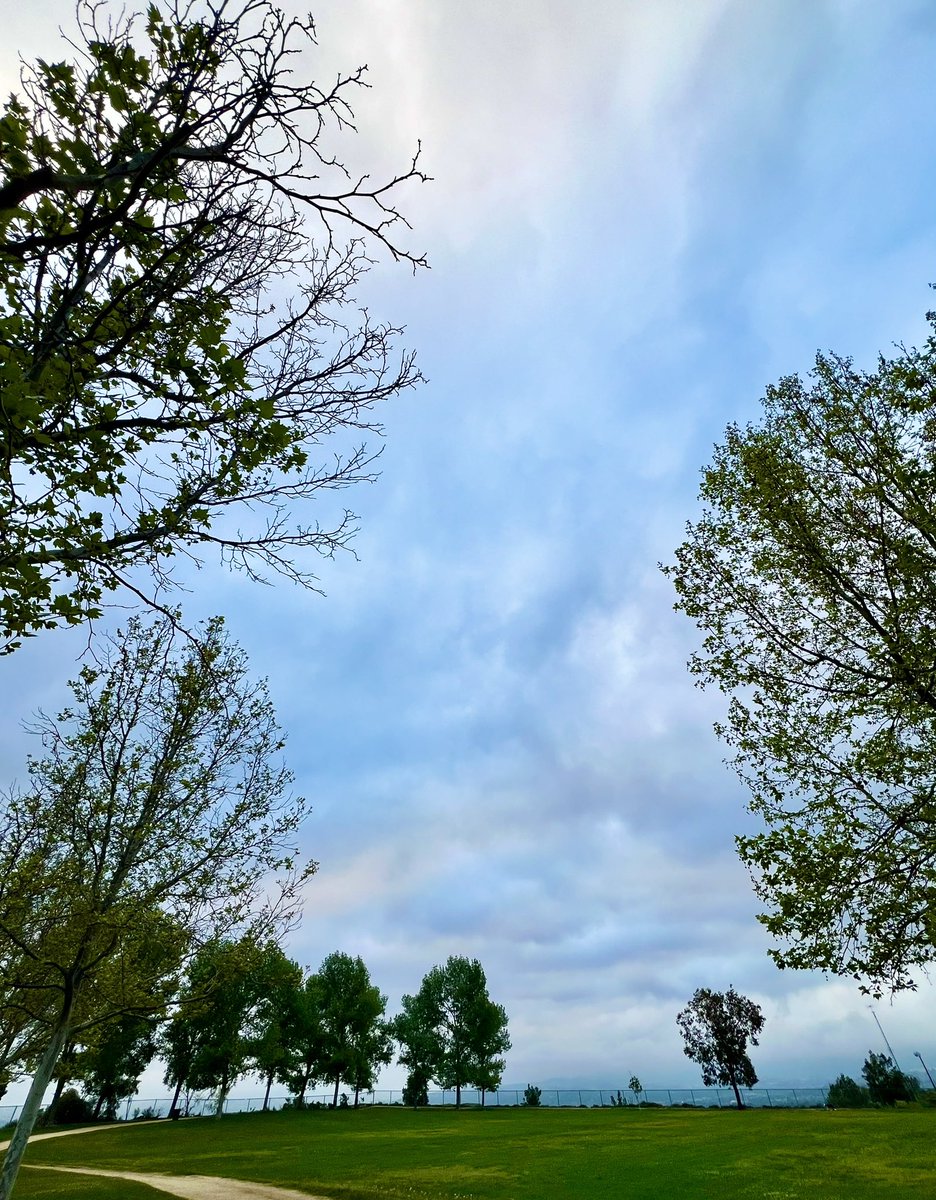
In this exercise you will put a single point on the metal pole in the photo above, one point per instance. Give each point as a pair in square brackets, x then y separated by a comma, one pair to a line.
[918, 1055]
[884, 1036]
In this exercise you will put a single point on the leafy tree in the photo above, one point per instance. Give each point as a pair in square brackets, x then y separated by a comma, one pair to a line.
[111, 1066]
[532, 1096]
[158, 819]
[451, 1031]
[636, 1087]
[886, 1083]
[716, 1028]
[304, 1036]
[844, 1092]
[416, 1089]
[351, 1021]
[812, 573]
[270, 1052]
[175, 346]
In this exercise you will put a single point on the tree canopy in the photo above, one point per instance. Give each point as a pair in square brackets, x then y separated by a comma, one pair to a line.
[182, 364]
[451, 1031]
[812, 573]
[716, 1028]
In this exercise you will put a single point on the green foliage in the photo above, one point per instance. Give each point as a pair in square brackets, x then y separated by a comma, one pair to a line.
[174, 346]
[812, 574]
[636, 1087]
[72, 1109]
[716, 1028]
[844, 1092]
[352, 1035]
[618, 1099]
[451, 1031]
[887, 1084]
[532, 1096]
[416, 1090]
[114, 1057]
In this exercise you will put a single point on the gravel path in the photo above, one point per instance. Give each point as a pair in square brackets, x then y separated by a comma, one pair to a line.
[189, 1187]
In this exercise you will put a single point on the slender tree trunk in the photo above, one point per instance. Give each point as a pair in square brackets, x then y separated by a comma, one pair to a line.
[458, 1095]
[335, 1097]
[736, 1092]
[482, 1097]
[97, 1107]
[27, 1118]
[49, 1116]
[357, 1092]
[222, 1094]
[266, 1095]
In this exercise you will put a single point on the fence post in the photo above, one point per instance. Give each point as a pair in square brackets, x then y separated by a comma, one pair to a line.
[127, 1111]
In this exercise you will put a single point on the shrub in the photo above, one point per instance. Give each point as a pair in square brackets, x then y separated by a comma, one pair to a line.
[71, 1109]
[531, 1096]
[845, 1093]
[416, 1092]
[886, 1084]
[619, 1100]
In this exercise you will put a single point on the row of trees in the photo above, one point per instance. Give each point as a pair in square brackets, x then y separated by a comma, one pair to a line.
[244, 1007]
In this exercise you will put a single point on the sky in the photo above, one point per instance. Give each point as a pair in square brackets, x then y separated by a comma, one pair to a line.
[641, 215]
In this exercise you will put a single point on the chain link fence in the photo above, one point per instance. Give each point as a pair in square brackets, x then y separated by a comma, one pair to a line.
[203, 1105]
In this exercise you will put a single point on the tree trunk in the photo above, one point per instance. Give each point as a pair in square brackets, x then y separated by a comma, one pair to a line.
[357, 1092]
[97, 1107]
[266, 1095]
[482, 1097]
[27, 1118]
[175, 1099]
[335, 1097]
[49, 1115]
[458, 1095]
[222, 1094]
[736, 1092]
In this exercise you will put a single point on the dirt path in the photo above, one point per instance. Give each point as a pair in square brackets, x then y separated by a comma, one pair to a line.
[194, 1187]
[188, 1187]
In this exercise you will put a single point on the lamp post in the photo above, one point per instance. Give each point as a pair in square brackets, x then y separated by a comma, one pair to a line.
[925, 1067]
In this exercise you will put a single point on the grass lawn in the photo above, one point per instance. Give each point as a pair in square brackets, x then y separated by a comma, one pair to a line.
[520, 1154]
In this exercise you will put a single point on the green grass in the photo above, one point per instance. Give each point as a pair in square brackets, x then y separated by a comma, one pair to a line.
[521, 1154]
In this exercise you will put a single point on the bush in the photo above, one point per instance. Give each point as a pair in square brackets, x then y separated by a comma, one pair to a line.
[846, 1093]
[531, 1096]
[886, 1084]
[71, 1109]
[416, 1092]
[619, 1100]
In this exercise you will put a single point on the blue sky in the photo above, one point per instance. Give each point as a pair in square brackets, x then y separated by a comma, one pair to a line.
[641, 215]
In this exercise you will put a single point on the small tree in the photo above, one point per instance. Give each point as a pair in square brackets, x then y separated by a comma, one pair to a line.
[158, 819]
[844, 1092]
[111, 1066]
[716, 1028]
[636, 1087]
[886, 1083]
[416, 1090]
[532, 1096]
